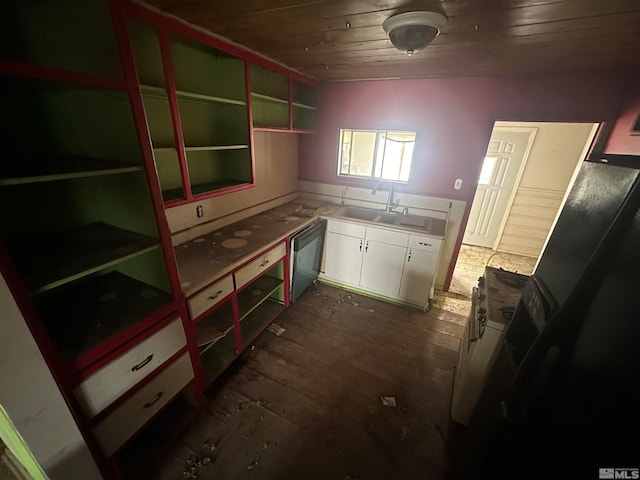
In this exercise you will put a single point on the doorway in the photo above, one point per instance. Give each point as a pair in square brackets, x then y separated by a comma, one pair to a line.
[506, 156]
[529, 167]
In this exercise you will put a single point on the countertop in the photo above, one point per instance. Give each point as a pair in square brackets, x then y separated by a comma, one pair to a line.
[205, 259]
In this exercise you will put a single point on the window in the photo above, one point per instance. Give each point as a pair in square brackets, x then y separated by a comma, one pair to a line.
[487, 170]
[381, 154]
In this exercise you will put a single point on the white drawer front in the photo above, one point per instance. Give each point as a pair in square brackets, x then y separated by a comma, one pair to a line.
[210, 296]
[129, 417]
[259, 265]
[345, 228]
[111, 381]
[388, 236]
[425, 243]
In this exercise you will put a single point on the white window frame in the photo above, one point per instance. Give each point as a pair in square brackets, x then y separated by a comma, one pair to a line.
[378, 132]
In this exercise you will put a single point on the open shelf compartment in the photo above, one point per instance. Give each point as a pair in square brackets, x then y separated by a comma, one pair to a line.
[51, 261]
[260, 302]
[83, 314]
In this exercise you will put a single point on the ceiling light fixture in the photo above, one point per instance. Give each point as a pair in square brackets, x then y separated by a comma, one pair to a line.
[412, 31]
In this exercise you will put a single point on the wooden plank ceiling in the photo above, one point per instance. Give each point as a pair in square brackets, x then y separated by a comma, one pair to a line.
[344, 39]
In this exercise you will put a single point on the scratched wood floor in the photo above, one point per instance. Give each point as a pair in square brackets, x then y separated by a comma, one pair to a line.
[307, 404]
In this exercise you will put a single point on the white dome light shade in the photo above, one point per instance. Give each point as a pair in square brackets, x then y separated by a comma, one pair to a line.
[412, 31]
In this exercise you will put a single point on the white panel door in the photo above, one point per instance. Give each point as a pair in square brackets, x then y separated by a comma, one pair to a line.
[382, 265]
[418, 275]
[505, 155]
[343, 258]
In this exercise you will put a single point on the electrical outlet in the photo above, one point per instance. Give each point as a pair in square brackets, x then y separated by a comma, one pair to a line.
[457, 185]
[199, 211]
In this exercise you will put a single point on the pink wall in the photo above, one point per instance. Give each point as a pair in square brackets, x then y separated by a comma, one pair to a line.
[620, 140]
[453, 118]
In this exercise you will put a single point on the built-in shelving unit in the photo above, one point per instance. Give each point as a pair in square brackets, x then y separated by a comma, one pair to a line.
[260, 302]
[304, 103]
[77, 212]
[280, 103]
[210, 87]
[216, 340]
[269, 98]
[80, 216]
[203, 145]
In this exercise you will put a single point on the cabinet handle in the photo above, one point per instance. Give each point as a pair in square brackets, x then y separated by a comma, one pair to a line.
[213, 297]
[366, 246]
[424, 243]
[137, 367]
[409, 257]
[266, 260]
[360, 245]
[157, 397]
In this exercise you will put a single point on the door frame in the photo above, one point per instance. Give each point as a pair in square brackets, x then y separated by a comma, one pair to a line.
[532, 131]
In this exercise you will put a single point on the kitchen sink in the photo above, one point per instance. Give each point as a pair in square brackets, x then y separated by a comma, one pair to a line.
[359, 213]
[389, 218]
[413, 222]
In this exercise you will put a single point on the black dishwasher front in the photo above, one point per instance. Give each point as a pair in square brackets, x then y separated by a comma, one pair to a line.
[306, 255]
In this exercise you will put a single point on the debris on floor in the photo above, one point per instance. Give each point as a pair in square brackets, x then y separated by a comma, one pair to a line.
[192, 465]
[253, 464]
[276, 329]
[371, 310]
[388, 401]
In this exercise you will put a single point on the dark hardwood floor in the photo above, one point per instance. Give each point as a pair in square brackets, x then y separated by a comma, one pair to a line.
[307, 404]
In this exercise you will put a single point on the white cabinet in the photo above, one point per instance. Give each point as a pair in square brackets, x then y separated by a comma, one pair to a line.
[382, 267]
[343, 258]
[418, 276]
[385, 261]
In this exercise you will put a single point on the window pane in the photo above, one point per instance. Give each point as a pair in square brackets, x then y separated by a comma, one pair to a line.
[487, 170]
[362, 150]
[379, 154]
[345, 152]
[382, 139]
[397, 156]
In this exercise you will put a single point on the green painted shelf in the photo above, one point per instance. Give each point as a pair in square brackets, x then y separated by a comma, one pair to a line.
[268, 98]
[198, 97]
[63, 168]
[51, 261]
[215, 147]
[302, 105]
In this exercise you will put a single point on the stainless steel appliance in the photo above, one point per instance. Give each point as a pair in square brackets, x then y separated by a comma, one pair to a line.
[306, 255]
[493, 302]
[558, 401]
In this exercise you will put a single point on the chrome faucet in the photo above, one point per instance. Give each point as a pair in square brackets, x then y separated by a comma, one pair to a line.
[344, 192]
[390, 203]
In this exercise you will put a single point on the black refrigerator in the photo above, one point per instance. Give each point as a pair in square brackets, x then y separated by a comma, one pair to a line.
[560, 400]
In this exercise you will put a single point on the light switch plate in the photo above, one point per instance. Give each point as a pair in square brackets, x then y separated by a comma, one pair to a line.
[457, 184]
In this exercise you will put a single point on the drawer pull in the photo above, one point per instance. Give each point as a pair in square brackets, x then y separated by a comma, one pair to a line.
[425, 244]
[213, 297]
[137, 367]
[158, 397]
[264, 263]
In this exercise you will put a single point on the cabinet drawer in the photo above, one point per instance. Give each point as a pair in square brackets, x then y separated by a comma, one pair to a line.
[210, 296]
[111, 381]
[129, 417]
[388, 236]
[259, 265]
[425, 243]
[345, 228]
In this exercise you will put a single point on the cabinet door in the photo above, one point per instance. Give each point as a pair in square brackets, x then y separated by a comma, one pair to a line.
[382, 267]
[343, 258]
[418, 275]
